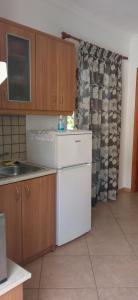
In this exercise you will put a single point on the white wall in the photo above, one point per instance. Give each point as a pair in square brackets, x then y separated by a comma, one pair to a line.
[44, 15]
[122, 161]
[129, 111]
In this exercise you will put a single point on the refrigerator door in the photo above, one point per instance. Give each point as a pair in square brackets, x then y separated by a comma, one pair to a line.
[59, 151]
[73, 212]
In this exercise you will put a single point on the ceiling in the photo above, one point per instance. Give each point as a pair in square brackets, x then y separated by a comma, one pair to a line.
[122, 14]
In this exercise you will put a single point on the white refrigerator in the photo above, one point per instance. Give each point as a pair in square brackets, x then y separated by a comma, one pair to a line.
[70, 153]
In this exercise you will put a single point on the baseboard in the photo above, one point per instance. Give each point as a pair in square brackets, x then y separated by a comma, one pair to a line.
[124, 189]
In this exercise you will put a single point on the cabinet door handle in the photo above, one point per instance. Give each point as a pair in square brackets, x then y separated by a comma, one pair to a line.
[27, 191]
[54, 99]
[62, 100]
[18, 193]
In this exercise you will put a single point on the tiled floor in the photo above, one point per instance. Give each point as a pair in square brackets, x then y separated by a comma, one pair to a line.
[102, 265]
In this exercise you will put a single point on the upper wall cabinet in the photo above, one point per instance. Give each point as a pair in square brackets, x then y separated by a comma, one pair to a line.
[41, 71]
[55, 74]
[66, 71]
[18, 51]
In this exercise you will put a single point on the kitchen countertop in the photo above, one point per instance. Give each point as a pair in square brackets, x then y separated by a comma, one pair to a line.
[16, 276]
[43, 172]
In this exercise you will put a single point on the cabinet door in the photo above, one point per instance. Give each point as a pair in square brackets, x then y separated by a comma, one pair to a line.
[10, 204]
[66, 77]
[46, 72]
[55, 74]
[48, 185]
[38, 215]
[18, 50]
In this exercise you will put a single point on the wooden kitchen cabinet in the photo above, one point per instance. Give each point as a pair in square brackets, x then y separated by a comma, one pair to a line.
[29, 207]
[41, 72]
[46, 72]
[38, 215]
[14, 294]
[10, 204]
[66, 70]
[18, 50]
[55, 74]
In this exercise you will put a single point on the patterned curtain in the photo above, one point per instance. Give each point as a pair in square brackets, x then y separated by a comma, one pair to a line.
[98, 108]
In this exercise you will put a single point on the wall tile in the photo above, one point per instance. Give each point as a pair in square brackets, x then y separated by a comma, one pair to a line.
[15, 139]
[22, 138]
[22, 129]
[12, 137]
[15, 129]
[1, 150]
[14, 120]
[0, 120]
[6, 120]
[22, 120]
[7, 130]
[7, 139]
[1, 140]
[15, 148]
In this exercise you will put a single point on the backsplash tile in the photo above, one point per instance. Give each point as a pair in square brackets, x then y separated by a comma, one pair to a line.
[12, 137]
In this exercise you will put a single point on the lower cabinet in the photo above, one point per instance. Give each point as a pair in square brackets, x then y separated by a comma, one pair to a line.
[10, 204]
[29, 207]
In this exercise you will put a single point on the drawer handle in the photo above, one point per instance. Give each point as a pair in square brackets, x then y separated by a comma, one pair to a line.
[77, 141]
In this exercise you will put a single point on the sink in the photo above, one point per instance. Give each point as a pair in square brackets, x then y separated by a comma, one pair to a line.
[18, 169]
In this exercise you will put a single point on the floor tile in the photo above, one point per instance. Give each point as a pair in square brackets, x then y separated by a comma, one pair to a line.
[105, 227]
[101, 210]
[108, 244]
[126, 205]
[76, 247]
[129, 225]
[30, 294]
[118, 294]
[133, 241]
[115, 271]
[67, 272]
[35, 269]
[68, 294]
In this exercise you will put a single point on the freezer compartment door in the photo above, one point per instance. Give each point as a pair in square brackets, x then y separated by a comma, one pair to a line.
[73, 213]
[73, 150]
[59, 151]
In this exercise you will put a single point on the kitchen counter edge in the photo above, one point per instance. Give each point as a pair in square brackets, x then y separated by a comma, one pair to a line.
[7, 180]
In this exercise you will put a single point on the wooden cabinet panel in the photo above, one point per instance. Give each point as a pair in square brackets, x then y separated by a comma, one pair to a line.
[14, 294]
[38, 215]
[48, 211]
[55, 74]
[10, 204]
[66, 77]
[31, 217]
[46, 72]
[29, 207]
[18, 31]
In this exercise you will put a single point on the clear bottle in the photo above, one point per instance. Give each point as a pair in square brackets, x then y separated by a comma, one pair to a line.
[61, 126]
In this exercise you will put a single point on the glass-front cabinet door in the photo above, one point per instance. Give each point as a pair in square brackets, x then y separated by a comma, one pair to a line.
[18, 51]
[18, 66]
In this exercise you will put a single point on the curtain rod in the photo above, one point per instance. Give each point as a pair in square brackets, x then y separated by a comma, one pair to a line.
[66, 35]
